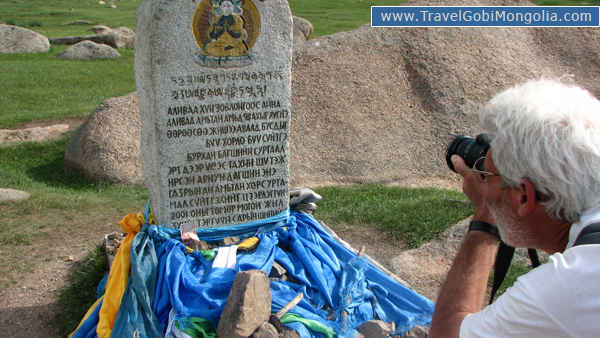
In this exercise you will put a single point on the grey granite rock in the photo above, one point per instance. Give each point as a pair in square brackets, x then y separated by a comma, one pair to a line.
[374, 329]
[417, 332]
[8, 136]
[121, 37]
[106, 146]
[11, 195]
[266, 330]
[19, 40]
[303, 29]
[88, 50]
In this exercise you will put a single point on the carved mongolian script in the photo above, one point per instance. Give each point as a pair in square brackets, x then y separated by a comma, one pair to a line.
[215, 109]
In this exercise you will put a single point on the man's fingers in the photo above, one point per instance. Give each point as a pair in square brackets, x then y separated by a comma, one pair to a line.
[460, 166]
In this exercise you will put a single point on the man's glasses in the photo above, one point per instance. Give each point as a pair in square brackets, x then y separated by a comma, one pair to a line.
[481, 174]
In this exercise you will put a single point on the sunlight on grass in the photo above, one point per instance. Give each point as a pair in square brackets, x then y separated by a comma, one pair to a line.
[414, 215]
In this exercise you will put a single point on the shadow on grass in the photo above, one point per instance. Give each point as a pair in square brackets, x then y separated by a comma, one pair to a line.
[52, 173]
[76, 297]
[40, 162]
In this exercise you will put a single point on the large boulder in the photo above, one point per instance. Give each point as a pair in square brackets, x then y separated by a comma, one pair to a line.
[382, 104]
[302, 31]
[121, 37]
[19, 40]
[106, 147]
[88, 50]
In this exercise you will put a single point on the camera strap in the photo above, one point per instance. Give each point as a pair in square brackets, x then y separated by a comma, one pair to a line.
[589, 235]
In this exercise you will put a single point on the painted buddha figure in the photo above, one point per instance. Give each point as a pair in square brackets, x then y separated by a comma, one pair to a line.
[226, 33]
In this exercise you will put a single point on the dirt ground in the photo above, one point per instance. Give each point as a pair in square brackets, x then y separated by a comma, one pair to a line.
[27, 306]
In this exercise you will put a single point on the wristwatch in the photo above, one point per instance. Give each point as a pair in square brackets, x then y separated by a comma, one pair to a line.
[483, 226]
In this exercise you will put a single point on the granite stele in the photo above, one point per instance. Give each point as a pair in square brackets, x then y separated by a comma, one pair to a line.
[214, 84]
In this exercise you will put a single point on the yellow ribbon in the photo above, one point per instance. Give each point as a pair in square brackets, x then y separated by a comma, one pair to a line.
[118, 276]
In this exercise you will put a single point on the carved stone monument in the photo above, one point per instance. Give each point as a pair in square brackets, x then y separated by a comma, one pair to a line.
[214, 83]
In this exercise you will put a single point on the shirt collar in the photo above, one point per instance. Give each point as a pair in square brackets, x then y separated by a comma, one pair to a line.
[587, 217]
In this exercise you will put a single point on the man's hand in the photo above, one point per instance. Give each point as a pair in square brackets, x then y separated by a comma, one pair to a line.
[473, 190]
[464, 290]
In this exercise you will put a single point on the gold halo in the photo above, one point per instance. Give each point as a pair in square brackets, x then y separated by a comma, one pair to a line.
[204, 11]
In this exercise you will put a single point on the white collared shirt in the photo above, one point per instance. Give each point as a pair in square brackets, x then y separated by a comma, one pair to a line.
[558, 299]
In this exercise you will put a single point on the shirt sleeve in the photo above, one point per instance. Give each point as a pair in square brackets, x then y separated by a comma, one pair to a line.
[516, 313]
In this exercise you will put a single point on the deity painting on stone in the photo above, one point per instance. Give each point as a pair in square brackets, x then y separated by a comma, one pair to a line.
[225, 31]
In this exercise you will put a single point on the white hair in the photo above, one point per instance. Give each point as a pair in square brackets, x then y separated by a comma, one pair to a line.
[549, 133]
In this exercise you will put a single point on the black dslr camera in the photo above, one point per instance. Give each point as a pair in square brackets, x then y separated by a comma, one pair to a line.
[470, 149]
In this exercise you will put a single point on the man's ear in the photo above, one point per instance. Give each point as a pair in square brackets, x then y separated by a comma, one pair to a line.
[525, 196]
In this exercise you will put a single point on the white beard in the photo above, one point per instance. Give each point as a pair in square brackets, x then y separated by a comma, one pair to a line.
[512, 230]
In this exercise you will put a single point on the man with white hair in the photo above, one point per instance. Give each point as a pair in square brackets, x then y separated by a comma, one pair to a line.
[539, 183]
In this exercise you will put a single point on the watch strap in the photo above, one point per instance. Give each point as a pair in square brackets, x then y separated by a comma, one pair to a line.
[483, 226]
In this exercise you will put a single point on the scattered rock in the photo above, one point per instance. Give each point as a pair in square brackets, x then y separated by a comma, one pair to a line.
[277, 270]
[302, 31]
[417, 332]
[88, 50]
[229, 241]
[19, 40]
[391, 326]
[11, 195]
[248, 305]
[106, 147]
[70, 259]
[266, 330]
[99, 29]
[8, 136]
[374, 329]
[288, 333]
[121, 37]
[77, 23]
[101, 2]
[113, 6]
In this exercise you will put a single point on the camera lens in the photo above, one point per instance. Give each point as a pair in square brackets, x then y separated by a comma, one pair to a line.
[467, 147]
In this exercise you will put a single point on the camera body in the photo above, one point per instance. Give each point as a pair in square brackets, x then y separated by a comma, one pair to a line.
[467, 147]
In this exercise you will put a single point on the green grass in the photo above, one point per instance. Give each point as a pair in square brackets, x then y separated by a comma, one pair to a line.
[413, 215]
[80, 292]
[56, 197]
[514, 271]
[53, 13]
[41, 87]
